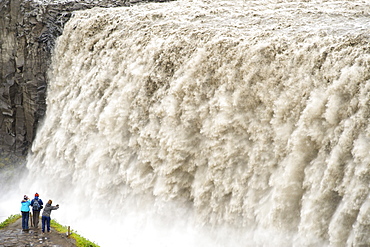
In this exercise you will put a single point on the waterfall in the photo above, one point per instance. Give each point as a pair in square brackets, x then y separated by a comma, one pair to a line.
[210, 123]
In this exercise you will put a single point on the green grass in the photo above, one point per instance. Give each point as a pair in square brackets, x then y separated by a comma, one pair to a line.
[80, 241]
[11, 219]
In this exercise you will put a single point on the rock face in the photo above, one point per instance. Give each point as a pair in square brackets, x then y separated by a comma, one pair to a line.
[28, 30]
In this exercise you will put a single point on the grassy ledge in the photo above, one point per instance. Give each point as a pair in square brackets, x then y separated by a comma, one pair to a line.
[80, 241]
[9, 220]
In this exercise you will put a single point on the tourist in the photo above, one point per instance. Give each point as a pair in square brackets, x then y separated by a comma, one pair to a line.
[25, 209]
[46, 215]
[36, 204]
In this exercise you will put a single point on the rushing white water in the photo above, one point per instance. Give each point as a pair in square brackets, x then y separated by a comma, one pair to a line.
[211, 123]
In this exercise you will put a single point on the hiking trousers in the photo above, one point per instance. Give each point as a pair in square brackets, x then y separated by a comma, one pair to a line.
[45, 222]
[36, 218]
[25, 218]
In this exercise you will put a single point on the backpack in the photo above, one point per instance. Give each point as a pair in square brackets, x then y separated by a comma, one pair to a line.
[36, 205]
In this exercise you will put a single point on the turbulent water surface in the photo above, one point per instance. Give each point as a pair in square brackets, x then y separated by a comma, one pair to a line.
[210, 123]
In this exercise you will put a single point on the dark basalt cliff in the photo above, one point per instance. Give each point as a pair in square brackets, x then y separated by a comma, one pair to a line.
[28, 31]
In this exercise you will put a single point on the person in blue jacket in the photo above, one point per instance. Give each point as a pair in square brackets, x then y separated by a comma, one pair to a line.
[25, 209]
[37, 205]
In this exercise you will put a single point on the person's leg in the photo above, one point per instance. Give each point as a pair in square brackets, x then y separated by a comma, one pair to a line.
[23, 220]
[33, 218]
[36, 217]
[27, 219]
[48, 221]
[43, 222]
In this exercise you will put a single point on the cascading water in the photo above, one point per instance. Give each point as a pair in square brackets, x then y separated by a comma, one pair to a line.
[211, 123]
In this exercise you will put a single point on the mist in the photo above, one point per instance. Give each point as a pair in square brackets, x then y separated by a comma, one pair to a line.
[12, 172]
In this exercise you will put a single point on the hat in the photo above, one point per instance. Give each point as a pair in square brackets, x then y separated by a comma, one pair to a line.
[25, 197]
[37, 194]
